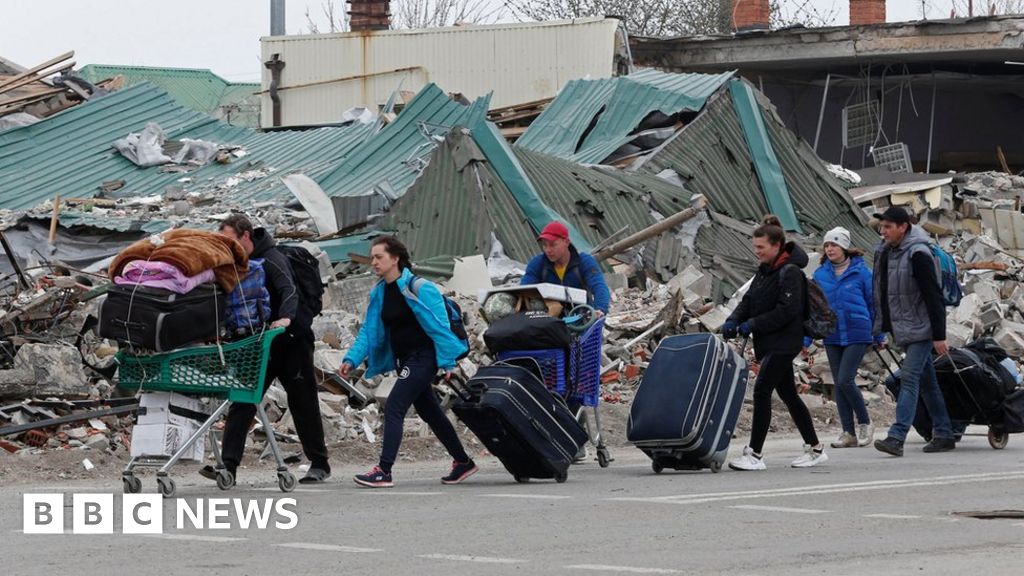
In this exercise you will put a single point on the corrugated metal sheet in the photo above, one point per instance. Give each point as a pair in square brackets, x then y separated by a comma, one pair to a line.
[711, 156]
[397, 154]
[457, 203]
[71, 154]
[195, 88]
[326, 74]
[591, 119]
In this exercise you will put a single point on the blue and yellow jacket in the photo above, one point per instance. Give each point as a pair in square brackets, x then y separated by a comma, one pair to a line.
[582, 272]
[427, 304]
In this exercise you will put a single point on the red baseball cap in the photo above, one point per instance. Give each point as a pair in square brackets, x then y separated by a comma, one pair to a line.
[554, 231]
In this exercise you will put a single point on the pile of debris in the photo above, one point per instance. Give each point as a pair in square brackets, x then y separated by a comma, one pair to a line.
[26, 96]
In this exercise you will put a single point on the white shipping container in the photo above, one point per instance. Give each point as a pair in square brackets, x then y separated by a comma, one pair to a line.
[326, 74]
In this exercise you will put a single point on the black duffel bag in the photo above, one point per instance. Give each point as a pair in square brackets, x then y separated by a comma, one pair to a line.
[1013, 412]
[161, 320]
[527, 331]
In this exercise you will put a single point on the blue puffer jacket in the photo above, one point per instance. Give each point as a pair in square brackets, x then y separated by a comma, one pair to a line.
[850, 297]
[373, 344]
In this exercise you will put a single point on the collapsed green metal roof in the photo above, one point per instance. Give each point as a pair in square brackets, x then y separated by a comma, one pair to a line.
[460, 200]
[712, 157]
[71, 154]
[237, 103]
[591, 119]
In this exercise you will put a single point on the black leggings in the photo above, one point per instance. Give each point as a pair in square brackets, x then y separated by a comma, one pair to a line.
[777, 374]
[415, 375]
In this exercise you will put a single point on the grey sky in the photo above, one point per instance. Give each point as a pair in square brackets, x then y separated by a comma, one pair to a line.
[222, 35]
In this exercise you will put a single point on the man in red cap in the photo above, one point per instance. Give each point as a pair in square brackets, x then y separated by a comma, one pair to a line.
[562, 264]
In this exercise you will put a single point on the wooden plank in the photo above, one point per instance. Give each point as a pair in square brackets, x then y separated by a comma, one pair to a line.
[31, 97]
[39, 78]
[36, 69]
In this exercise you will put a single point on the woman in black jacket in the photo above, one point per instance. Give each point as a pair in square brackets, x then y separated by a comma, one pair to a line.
[772, 312]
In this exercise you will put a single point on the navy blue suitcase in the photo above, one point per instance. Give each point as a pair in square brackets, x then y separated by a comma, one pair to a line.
[521, 422]
[685, 410]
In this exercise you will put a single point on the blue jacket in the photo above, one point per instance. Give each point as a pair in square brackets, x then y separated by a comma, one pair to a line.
[582, 272]
[851, 297]
[373, 344]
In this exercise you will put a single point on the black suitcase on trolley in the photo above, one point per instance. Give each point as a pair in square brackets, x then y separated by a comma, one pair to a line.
[161, 320]
[685, 410]
[524, 425]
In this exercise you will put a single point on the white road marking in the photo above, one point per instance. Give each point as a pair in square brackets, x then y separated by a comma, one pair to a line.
[196, 538]
[480, 559]
[327, 547]
[527, 496]
[825, 489]
[295, 490]
[779, 509]
[383, 492]
[1021, 524]
[892, 516]
[628, 569]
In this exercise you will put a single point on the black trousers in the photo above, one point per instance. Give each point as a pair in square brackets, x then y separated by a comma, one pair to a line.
[291, 362]
[777, 374]
[416, 373]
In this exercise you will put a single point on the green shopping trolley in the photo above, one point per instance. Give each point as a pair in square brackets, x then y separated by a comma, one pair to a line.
[234, 372]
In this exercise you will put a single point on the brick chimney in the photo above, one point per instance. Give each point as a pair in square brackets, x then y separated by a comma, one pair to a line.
[369, 15]
[867, 12]
[751, 15]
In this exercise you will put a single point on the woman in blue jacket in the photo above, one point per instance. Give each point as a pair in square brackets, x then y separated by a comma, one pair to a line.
[846, 281]
[406, 329]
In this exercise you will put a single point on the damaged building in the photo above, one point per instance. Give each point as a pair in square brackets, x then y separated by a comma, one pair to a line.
[925, 96]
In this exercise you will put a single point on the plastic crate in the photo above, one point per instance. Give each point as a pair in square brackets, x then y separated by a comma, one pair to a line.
[585, 365]
[552, 365]
[201, 370]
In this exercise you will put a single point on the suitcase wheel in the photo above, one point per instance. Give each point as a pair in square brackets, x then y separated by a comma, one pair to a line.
[560, 478]
[522, 479]
[715, 466]
[657, 467]
[997, 439]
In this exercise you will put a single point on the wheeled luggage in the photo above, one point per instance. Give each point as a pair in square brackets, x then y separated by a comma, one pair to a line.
[685, 410]
[161, 320]
[976, 389]
[527, 427]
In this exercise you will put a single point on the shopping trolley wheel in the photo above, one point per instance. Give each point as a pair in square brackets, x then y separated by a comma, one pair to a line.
[225, 479]
[561, 477]
[522, 479]
[132, 484]
[603, 457]
[657, 467]
[286, 481]
[166, 486]
[997, 439]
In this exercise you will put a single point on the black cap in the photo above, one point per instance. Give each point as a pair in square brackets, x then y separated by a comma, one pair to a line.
[895, 214]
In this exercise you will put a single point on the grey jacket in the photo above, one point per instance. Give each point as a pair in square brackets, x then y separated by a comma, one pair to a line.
[908, 312]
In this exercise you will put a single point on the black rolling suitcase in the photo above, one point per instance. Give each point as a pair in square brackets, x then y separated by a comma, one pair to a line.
[527, 427]
[161, 320]
[685, 410]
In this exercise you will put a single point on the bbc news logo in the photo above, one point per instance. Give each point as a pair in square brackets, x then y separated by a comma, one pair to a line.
[144, 513]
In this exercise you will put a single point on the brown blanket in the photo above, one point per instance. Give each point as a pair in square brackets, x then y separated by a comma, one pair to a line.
[192, 252]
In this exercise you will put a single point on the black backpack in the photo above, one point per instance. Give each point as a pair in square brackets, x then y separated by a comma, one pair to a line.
[456, 321]
[819, 320]
[306, 275]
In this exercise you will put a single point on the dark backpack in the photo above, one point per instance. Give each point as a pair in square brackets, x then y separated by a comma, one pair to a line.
[306, 275]
[819, 319]
[456, 321]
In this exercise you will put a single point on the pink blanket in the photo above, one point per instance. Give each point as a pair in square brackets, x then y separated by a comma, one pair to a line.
[161, 275]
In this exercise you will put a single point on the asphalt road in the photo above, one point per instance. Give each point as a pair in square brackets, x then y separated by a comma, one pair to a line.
[861, 513]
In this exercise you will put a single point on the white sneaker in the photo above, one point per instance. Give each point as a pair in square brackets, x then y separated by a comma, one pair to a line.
[810, 458]
[865, 434]
[747, 461]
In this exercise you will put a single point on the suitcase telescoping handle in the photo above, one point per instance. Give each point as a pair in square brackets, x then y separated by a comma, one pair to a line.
[885, 362]
[461, 387]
